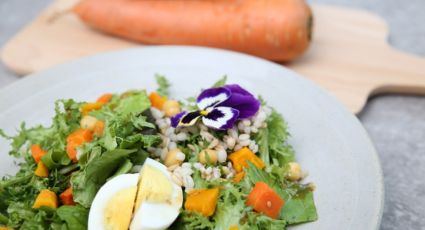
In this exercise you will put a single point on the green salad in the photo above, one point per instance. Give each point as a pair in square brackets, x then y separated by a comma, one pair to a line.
[144, 160]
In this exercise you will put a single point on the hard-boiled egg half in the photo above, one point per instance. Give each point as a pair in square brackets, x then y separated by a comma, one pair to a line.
[148, 200]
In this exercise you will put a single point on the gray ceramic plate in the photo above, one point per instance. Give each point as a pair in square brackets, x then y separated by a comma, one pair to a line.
[330, 142]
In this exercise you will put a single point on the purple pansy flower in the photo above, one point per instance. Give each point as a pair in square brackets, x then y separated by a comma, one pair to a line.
[220, 107]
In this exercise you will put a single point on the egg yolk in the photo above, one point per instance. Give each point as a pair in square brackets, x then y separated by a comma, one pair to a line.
[154, 186]
[119, 209]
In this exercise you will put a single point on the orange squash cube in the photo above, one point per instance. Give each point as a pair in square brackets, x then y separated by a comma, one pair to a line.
[75, 139]
[157, 100]
[41, 170]
[203, 201]
[239, 159]
[105, 98]
[88, 107]
[98, 128]
[46, 198]
[66, 197]
[264, 200]
[37, 152]
[238, 177]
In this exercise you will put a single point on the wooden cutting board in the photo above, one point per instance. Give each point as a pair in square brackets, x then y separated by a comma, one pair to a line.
[349, 55]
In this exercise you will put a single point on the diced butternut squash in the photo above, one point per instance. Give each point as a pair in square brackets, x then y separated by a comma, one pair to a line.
[239, 159]
[5, 228]
[264, 200]
[76, 139]
[46, 198]
[99, 126]
[238, 177]
[234, 227]
[37, 152]
[67, 197]
[41, 170]
[88, 107]
[105, 98]
[157, 100]
[80, 136]
[100, 102]
[203, 201]
[72, 151]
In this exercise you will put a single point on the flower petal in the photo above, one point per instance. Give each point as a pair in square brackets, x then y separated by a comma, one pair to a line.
[212, 97]
[176, 119]
[242, 100]
[221, 118]
[189, 119]
[235, 88]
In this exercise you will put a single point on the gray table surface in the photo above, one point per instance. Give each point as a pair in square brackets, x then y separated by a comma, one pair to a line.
[395, 123]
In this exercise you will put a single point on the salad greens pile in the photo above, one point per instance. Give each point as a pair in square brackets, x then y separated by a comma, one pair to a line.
[128, 133]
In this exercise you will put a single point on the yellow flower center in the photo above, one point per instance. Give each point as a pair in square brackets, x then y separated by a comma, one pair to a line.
[204, 112]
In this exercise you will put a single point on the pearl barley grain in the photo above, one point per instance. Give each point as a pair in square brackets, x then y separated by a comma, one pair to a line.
[231, 142]
[180, 156]
[245, 143]
[222, 155]
[243, 137]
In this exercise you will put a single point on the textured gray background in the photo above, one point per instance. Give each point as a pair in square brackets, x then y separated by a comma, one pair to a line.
[395, 123]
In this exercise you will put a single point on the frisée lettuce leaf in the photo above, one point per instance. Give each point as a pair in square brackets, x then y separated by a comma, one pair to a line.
[272, 141]
[75, 217]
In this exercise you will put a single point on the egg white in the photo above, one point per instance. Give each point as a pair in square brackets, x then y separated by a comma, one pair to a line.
[150, 215]
[158, 215]
[104, 195]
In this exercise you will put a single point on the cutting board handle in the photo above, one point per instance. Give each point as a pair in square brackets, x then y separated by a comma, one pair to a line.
[404, 73]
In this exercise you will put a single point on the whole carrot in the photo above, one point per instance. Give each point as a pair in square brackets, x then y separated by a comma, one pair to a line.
[278, 30]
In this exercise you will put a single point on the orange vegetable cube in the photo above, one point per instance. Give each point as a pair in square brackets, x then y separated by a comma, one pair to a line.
[238, 177]
[263, 199]
[105, 98]
[41, 170]
[71, 151]
[99, 126]
[244, 154]
[76, 139]
[67, 197]
[80, 136]
[157, 100]
[46, 198]
[37, 152]
[5, 228]
[203, 201]
[234, 227]
[88, 107]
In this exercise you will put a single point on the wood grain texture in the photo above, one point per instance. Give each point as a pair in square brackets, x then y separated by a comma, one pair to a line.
[350, 56]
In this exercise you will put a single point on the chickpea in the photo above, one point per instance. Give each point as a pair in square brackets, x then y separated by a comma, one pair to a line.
[171, 108]
[88, 122]
[295, 172]
[208, 156]
[174, 157]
